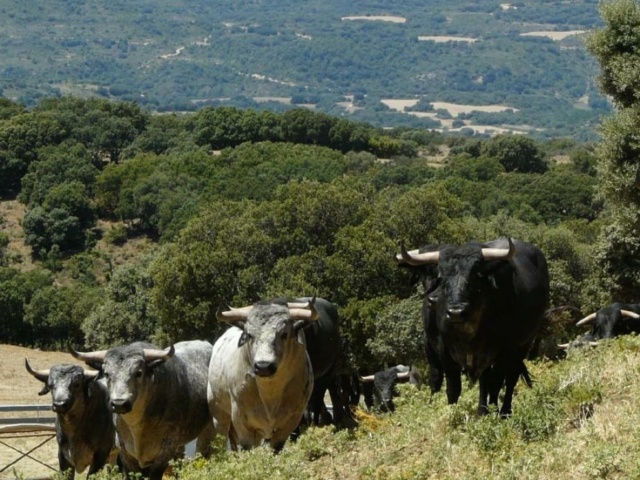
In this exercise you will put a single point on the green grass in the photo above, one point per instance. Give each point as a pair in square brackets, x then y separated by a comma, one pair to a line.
[580, 420]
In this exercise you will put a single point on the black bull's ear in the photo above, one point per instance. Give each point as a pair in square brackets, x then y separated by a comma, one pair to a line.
[298, 330]
[44, 390]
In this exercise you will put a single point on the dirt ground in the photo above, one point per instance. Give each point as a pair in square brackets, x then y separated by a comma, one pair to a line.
[17, 387]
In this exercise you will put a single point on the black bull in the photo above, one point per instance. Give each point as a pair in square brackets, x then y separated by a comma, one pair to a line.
[481, 313]
[325, 348]
[613, 320]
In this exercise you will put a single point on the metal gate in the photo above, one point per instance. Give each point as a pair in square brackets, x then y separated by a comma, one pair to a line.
[14, 425]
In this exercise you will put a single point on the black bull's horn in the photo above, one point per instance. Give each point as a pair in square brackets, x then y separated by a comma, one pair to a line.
[41, 375]
[591, 317]
[414, 257]
[588, 319]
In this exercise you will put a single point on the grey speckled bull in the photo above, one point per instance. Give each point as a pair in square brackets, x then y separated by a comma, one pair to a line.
[260, 377]
[159, 398]
[84, 427]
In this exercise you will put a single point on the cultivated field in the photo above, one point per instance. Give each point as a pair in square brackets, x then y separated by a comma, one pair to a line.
[378, 18]
[553, 35]
[444, 39]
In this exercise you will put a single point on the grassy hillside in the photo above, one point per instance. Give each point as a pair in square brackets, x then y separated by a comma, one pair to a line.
[580, 421]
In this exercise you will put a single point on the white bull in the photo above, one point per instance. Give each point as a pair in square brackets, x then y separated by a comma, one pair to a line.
[260, 376]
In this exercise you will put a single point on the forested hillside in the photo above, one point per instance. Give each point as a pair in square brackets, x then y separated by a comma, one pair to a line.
[454, 65]
[139, 226]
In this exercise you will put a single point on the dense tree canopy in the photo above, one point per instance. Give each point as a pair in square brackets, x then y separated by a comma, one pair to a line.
[237, 205]
[616, 48]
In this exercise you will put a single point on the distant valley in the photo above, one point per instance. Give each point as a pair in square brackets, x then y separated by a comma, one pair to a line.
[459, 66]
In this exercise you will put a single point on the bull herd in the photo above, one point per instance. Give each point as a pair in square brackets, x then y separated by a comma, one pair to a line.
[270, 370]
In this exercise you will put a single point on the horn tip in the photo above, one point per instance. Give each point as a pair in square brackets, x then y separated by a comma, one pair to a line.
[222, 309]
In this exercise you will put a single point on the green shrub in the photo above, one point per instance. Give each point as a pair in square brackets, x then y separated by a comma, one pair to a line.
[117, 235]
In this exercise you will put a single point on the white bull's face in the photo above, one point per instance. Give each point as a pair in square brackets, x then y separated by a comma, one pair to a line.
[269, 335]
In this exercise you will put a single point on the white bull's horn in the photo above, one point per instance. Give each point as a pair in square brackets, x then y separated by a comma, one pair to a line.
[226, 313]
[90, 373]
[563, 346]
[588, 319]
[403, 375]
[593, 344]
[151, 354]
[41, 375]
[366, 379]
[629, 313]
[96, 356]
[499, 253]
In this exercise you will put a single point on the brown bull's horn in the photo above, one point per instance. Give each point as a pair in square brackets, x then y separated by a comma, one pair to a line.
[629, 313]
[500, 253]
[588, 319]
[151, 354]
[563, 346]
[41, 375]
[97, 356]
[415, 258]
[368, 378]
[403, 375]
